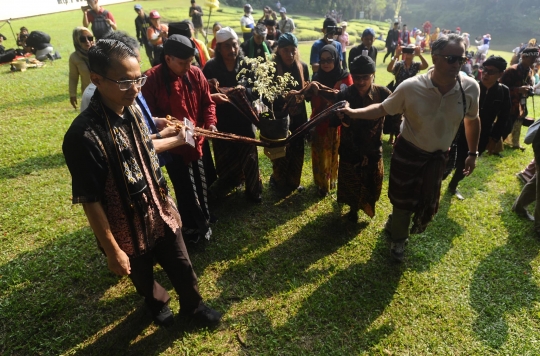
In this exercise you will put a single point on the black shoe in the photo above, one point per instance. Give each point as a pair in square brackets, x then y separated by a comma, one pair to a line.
[352, 216]
[322, 193]
[203, 316]
[164, 317]
[255, 199]
[300, 189]
[397, 250]
[388, 225]
[523, 213]
[456, 193]
[521, 177]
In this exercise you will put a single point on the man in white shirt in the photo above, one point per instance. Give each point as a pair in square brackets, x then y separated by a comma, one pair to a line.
[433, 105]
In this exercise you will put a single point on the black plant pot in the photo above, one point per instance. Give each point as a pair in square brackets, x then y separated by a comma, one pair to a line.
[274, 129]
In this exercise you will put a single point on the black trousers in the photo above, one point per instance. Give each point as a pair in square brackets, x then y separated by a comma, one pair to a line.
[170, 252]
[390, 50]
[190, 189]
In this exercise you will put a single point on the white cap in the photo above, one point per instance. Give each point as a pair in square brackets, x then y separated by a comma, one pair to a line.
[225, 34]
[284, 10]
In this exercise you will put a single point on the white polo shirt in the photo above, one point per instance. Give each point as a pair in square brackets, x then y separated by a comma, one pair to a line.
[431, 120]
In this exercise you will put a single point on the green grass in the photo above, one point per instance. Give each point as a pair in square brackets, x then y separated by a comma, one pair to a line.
[291, 275]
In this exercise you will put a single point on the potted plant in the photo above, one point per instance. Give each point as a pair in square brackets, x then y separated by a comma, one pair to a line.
[260, 76]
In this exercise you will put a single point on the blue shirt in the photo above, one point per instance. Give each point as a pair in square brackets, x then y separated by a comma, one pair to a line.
[164, 157]
[318, 45]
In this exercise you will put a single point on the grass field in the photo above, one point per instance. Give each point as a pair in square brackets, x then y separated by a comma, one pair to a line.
[292, 276]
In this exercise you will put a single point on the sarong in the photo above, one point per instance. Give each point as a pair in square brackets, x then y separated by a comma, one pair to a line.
[237, 163]
[360, 184]
[415, 181]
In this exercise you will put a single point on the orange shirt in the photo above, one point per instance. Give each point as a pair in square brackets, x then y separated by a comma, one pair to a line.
[152, 32]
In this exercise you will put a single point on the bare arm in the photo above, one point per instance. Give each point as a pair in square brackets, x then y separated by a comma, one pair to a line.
[85, 21]
[372, 112]
[424, 64]
[472, 132]
[171, 138]
[390, 67]
[117, 260]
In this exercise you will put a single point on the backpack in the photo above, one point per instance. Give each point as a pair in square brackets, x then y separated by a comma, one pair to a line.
[100, 27]
[38, 40]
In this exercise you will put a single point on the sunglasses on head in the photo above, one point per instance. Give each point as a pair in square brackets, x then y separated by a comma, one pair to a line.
[454, 59]
[83, 39]
[326, 61]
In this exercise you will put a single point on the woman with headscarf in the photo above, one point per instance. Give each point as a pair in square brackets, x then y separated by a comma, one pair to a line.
[361, 167]
[324, 138]
[403, 70]
[83, 39]
[287, 171]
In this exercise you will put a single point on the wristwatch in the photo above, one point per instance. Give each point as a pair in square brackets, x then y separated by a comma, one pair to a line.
[473, 154]
[158, 135]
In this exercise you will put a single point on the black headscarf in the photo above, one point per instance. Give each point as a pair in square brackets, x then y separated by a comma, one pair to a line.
[335, 75]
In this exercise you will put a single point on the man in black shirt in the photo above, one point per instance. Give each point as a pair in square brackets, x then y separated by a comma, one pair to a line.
[196, 14]
[494, 115]
[391, 41]
[368, 37]
[142, 22]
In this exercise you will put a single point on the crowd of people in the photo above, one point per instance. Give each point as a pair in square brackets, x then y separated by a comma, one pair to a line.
[439, 123]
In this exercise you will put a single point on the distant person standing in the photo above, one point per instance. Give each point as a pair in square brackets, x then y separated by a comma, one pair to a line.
[404, 37]
[156, 34]
[392, 39]
[247, 23]
[329, 32]
[102, 20]
[344, 40]
[286, 24]
[519, 79]
[368, 36]
[196, 14]
[142, 23]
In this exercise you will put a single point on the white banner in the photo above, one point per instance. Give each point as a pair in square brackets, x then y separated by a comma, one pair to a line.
[14, 9]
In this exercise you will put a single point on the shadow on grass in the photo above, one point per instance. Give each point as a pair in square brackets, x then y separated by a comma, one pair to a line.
[52, 296]
[32, 164]
[428, 248]
[275, 270]
[342, 308]
[504, 282]
[36, 102]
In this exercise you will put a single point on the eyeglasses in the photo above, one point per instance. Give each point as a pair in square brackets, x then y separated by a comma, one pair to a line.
[326, 61]
[126, 84]
[454, 59]
[83, 39]
[488, 72]
[362, 78]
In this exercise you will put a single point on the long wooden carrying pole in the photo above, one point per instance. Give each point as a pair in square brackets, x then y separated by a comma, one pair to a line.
[299, 132]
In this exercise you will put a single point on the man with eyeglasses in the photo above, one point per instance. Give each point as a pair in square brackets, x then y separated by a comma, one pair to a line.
[433, 106]
[494, 112]
[142, 23]
[177, 88]
[519, 79]
[117, 178]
